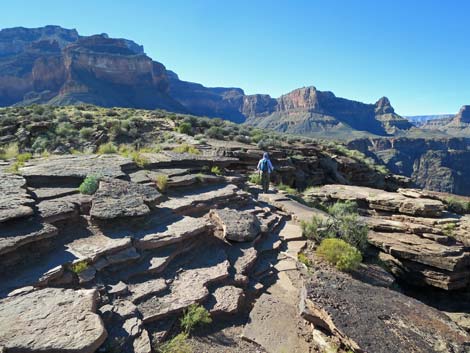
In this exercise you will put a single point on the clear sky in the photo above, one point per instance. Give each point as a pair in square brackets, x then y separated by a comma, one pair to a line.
[416, 52]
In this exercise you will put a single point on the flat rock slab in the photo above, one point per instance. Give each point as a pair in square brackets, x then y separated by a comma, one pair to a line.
[70, 170]
[163, 235]
[225, 300]
[236, 225]
[63, 208]
[53, 193]
[148, 288]
[13, 236]
[169, 159]
[290, 232]
[298, 211]
[205, 197]
[117, 198]
[14, 199]
[273, 325]
[375, 319]
[51, 320]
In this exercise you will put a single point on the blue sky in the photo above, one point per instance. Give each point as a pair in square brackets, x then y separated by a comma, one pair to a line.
[415, 52]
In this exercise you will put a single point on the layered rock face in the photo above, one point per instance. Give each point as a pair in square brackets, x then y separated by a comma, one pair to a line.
[436, 164]
[57, 66]
[411, 232]
[309, 111]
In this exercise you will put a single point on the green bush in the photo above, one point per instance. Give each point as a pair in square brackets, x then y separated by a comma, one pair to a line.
[177, 344]
[107, 148]
[255, 178]
[185, 128]
[86, 133]
[162, 182]
[215, 132]
[216, 170]
[344, 224]
[89, 185]
[24, 157]
[65, 130]
[448, 229]
[79, 266]
[304, 259]
[10, 151]
[287, 189]
[340, 254]
[194, 316]
[457, 206]
[186, 148]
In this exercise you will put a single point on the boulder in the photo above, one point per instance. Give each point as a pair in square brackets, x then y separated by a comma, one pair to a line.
[225, 300]
[51, 320]
[117, 198]
[236, 225]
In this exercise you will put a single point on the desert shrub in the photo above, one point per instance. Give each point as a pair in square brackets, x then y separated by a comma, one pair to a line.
[79, 266]
[216, 170]
[111, 112]
[107, 148]
[186, 148]
[86, 132]
[7, 120]
[65, 130]
[286, 188]
[215, 132]
[41, 144]
[162, 182]
[196, 315]
[304, 259]
[339, 253]
[344, 224]
[89, 185]
[448, 229]
[24, 157]
[185, 128]
[457, 206]
[177, 344]
[243, 138]
[10, 151]
[316, 229]
[255, 178]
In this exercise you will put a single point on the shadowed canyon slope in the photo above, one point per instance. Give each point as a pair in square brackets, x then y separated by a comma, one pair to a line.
[58, 66]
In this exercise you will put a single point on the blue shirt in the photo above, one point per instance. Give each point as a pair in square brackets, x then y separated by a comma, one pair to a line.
[270, 166]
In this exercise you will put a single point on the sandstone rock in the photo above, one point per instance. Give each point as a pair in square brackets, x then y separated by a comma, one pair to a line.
[51, 319]
[53, 193]
[188, 288]
[13, 236]
[118, 289]
[117, 198]
[122, 256]
[180, 230]
[148, 288]
[71, 170]
[236, 225]
[63, 208]
[375, 319]
[14, 199]
[225, 300]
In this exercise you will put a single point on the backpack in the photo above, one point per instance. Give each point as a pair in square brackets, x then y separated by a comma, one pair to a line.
[264, 165]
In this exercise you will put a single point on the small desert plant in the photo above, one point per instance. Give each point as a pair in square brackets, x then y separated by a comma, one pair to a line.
[304, 259]
[139, 159]
[317, 229]
[89, 185]
[177, 344]
[162, 182]
[255, 178]
[216, 170]
[448, 229]
[186, 148]
[339, 253]
[287, 189]
[79, 266]
[457, 206]
[86, 133]
[23, 157]
[195, 315]
[107, 148]
[9, 152]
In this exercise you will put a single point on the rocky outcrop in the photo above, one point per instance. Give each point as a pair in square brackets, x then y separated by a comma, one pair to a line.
[236, 225]
[368, 318]
[409, 231]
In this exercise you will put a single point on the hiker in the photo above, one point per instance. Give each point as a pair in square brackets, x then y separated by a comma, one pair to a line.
[265, 167]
